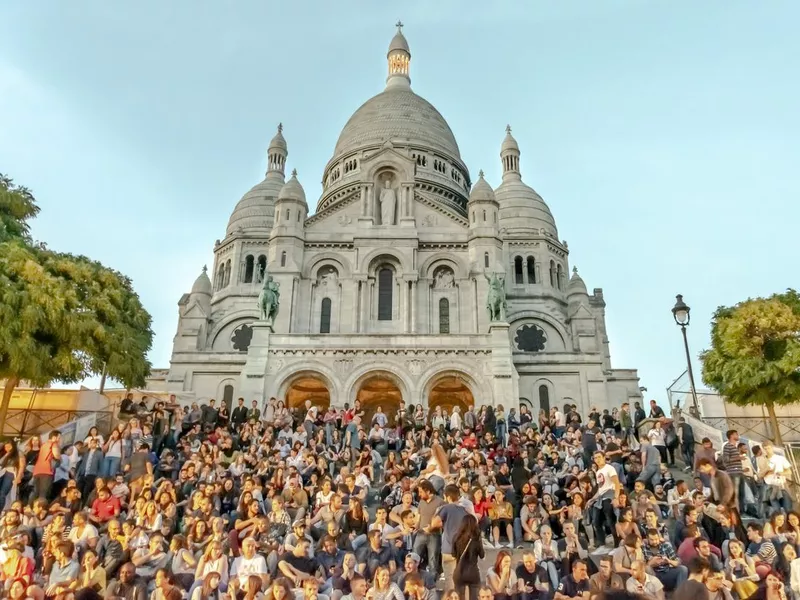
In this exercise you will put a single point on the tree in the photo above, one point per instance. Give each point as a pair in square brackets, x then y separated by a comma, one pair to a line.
[755, 353]
[62, 317]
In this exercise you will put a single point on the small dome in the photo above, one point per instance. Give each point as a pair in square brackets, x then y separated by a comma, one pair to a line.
[202, 285]
[278, 142]
[256, 209]
[399, 42]
[482, 191]
[509, 143]
[292, 190]
[576, 284]
[523, 210]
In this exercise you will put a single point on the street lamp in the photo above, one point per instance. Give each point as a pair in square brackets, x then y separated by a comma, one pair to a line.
[681, 314]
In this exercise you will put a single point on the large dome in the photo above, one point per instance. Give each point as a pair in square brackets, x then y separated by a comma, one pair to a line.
[402, 117]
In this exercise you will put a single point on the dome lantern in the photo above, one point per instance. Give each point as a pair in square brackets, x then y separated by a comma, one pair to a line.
[277, 153]
[399, 60]
[509, 155]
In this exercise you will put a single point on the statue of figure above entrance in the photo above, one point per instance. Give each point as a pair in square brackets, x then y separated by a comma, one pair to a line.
[388, 200]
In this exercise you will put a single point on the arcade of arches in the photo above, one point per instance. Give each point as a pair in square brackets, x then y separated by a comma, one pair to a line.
[381, 390]
[308, 388]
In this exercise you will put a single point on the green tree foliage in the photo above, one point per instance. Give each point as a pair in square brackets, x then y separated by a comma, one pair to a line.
[62, 317]
[755, 353]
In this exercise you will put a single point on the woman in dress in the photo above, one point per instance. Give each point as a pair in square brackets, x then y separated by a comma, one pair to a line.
[468, 550]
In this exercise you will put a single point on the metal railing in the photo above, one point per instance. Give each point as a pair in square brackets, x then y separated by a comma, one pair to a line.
[758, 428]
[26, 422]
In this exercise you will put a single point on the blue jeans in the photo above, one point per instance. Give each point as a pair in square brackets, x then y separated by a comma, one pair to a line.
[429, 545]
[329, 434]
[501, 432]
[110, 466]
[672, 577]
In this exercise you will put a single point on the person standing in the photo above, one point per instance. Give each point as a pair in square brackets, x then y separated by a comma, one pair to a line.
[468, 550]
[602, 503]
[239, 415]
[449, 518]
[732, 461]
[44, 469]
[626, 421]
[638, 416]
[687, 443]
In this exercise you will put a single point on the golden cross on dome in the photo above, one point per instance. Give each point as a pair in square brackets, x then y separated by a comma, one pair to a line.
[399, 25]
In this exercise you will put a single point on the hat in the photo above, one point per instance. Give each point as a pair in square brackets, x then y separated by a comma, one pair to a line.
[299, 523]
[491, 489]
[414, 556]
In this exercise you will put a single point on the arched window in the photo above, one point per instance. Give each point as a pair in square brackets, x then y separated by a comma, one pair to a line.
[325, 316]
[444, 315]
[220, 278]
[227, 396]
[486, 260]
[559, 277]
[531, 270]
[249, 264]
[518, 277]
[283, 258]
[227, 274]
[544, 398]
[385, 284]
[262, 267]
[552, 274]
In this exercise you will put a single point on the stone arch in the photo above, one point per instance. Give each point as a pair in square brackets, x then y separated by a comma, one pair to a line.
[304, 377]
[312, 267]
[443, 258]
[371, 261]
[537, 397]
[226, 392]
[237, 317]
[391, 160]
[382, 387]
[389, 370]
[452, 368]
[516, 320]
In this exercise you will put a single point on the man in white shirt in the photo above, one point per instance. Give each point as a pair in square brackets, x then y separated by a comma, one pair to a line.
[602, 503]
[775, 479]
[249, 563]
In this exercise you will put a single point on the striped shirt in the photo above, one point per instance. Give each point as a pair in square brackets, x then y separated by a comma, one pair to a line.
[732, 459]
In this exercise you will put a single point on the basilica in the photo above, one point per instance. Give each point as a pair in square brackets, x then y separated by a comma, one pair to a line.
[382, 295]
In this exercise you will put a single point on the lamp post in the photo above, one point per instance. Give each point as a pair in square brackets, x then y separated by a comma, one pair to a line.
[681, 314]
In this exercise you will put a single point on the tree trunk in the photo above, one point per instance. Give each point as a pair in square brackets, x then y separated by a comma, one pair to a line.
[773, 420]
[8, 389]
[103, 381]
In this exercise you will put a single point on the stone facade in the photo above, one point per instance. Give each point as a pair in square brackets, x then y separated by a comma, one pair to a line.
[388, 280]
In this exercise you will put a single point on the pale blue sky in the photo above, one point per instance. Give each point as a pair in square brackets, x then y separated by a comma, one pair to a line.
[663, 135]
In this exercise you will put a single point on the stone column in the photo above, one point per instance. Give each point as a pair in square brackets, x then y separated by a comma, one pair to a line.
[407, 205]
[251, 384]
[367, 209]
[505, 379]
[413, 307]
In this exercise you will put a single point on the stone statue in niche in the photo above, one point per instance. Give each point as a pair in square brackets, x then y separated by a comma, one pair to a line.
[388, 202]
[328, 278]
[444, 279]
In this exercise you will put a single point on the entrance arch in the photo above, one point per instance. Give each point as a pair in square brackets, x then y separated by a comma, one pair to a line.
[307, 387]
[378, 390]
[448, 391]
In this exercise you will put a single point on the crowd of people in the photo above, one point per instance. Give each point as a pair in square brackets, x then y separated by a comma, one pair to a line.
[306, 503]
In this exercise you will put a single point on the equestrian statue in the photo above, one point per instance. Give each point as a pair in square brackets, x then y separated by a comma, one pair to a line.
[269, 299]
[496, 299]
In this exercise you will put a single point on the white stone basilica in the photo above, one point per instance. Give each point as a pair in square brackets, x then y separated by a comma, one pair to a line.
[383, 291]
